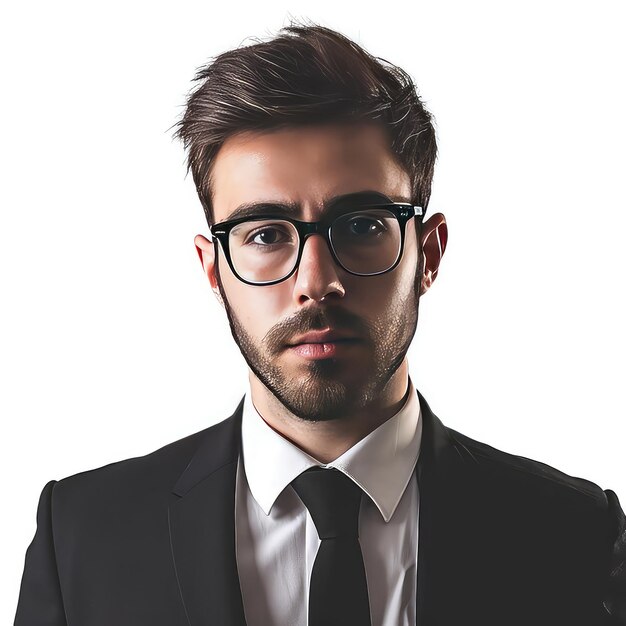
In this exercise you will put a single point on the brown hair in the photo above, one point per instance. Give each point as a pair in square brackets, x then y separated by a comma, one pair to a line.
[310, 74]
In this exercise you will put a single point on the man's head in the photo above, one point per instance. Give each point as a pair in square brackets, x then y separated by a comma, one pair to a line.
[310, 120]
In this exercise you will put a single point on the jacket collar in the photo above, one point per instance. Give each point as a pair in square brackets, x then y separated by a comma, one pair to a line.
[218, 448]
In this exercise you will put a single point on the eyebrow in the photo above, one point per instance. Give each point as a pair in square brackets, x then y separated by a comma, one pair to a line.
[294, 209]
[249, 209]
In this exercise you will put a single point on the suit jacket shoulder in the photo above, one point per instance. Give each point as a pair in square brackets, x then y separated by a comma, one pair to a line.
[153, 471]
[136, 479]
[543, 477]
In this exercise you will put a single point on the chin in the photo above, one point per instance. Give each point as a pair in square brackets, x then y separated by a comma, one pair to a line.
[323, 395]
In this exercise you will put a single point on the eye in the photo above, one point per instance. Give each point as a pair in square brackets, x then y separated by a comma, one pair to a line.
[365, 225]
[268, 235]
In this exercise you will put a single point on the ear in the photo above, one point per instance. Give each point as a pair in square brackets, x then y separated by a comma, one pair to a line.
[206, 252]
[434, 238]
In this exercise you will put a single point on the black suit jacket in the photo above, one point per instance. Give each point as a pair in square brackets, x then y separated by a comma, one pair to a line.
[503, 540]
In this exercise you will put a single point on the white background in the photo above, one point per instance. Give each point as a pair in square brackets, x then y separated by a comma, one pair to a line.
[111, 342]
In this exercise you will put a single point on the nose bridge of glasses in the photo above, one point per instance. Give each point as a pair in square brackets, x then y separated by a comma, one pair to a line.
[308, 229]
[317, 267]
[316, 229]
[313, 228]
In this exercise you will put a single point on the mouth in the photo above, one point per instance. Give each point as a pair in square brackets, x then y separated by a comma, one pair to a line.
[322, 337]
[315, 350]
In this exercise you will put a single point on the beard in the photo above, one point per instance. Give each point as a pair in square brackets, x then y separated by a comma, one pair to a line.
[329, 390]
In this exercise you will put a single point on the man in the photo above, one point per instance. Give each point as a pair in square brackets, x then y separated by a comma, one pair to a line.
[333, 494]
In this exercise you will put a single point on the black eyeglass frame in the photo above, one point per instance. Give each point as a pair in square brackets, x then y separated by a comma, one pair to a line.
[402, 211]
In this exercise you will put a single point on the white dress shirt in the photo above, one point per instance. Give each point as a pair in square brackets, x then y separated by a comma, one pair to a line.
[276, 539]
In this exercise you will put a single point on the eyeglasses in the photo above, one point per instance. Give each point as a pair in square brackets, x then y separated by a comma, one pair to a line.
[266, 249]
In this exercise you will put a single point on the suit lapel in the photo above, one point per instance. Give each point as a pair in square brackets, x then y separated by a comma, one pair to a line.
[442, 473]
[202, 529]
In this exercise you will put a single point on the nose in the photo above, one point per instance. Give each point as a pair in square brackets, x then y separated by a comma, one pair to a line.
[316, 276]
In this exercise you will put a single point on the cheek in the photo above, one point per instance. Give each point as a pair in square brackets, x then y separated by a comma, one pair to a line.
[256, 308]
[378, 293]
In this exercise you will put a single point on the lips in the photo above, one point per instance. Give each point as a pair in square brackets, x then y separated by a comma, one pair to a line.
[328, 345]
[322, 336]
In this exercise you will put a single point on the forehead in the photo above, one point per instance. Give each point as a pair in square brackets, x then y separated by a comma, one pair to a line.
[306, 166]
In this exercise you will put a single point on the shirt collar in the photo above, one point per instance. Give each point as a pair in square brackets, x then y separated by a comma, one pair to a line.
[382, 463]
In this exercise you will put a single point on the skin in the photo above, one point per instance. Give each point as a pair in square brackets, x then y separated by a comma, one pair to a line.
[324, 406]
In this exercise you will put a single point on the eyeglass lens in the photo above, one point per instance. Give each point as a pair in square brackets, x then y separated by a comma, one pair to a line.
[365, 242]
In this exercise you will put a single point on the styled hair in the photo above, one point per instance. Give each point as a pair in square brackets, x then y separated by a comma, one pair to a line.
[308, 74]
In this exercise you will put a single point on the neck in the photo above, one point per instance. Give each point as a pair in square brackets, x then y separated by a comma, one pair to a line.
[325, 441]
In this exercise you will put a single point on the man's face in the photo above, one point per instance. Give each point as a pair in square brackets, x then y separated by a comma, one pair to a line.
[310, 166]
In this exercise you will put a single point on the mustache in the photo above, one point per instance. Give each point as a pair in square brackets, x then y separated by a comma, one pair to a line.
[310, 319]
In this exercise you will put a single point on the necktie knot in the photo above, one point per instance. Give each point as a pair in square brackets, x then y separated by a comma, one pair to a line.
[333, 501]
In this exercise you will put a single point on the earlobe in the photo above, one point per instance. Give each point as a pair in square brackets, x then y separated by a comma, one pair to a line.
[427, 281]
[218, 295]
[206, 253]
[434, 240]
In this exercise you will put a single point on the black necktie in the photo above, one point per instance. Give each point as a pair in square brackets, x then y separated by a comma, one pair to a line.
[338, 591]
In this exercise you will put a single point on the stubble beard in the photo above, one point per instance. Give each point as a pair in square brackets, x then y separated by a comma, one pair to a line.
[323, 394]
